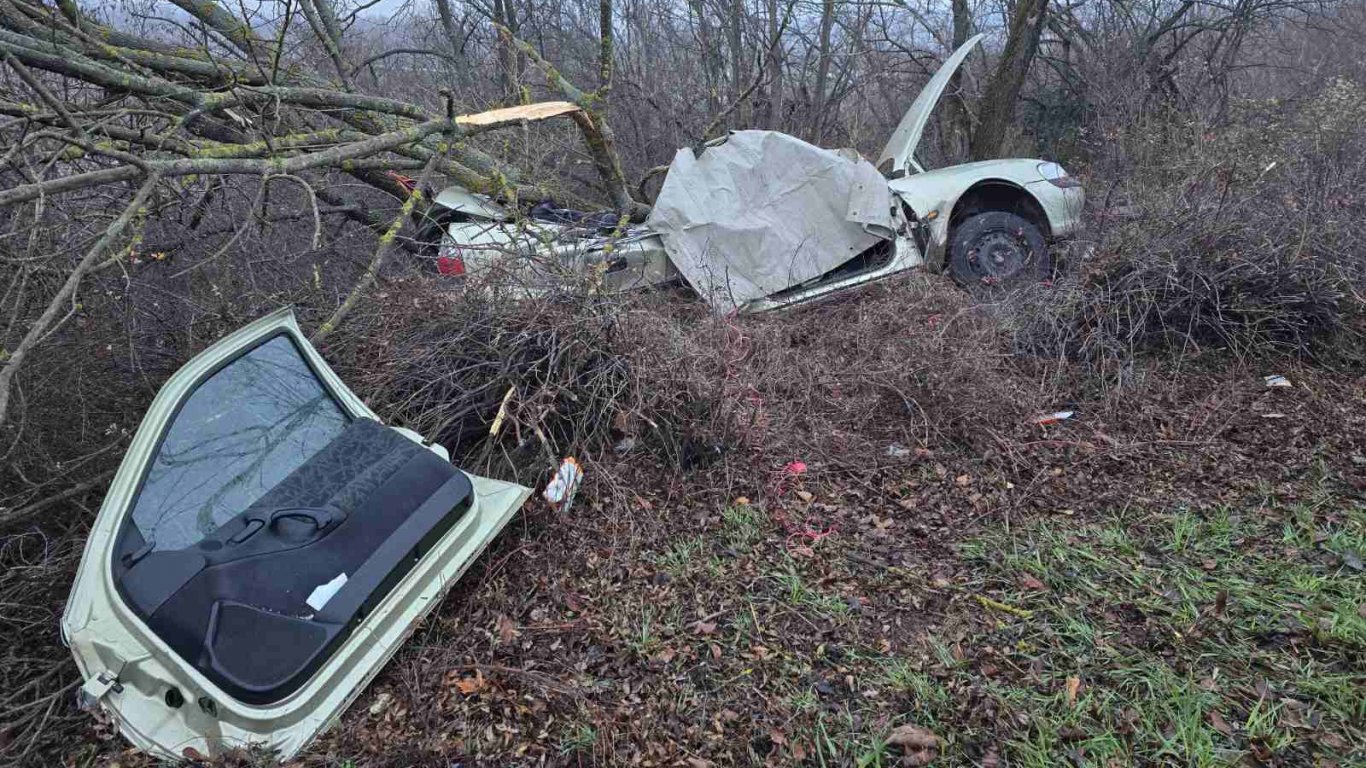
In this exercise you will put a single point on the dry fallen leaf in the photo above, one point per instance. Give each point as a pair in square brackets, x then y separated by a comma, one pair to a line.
[506, 629]
[1029, 581]
[1333, 741]
[806, 496]
[1073, 688]
[704, 627]
[919, 745]
[1218, 723]
[381, 703]
[472, 685]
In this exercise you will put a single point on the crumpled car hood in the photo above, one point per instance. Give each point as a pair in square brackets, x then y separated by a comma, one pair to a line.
[764, 211]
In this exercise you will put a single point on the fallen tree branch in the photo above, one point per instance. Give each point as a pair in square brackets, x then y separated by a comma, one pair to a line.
[22, 514]
[386, 245]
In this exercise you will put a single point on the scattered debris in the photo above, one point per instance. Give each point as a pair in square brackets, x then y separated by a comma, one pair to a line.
[1218, 723]
[1353, 560]
[381, 703]
[897, 451]
[561, 489]
[1045, 419]
[1276, 381]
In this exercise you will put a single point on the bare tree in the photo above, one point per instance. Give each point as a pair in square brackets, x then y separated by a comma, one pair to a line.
[1003, 87]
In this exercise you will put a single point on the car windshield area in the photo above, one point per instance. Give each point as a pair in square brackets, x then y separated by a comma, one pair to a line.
[242, 431]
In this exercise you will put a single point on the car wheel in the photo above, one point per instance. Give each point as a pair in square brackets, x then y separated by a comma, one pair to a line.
[996, 251]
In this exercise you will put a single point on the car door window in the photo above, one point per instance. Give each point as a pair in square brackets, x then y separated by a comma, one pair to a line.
[241, 432]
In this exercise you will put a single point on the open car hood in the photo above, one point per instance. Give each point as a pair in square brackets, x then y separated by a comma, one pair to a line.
[264, 548]
[906, 138]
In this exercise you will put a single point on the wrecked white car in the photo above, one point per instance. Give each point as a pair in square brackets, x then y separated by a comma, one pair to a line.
[760, 220]
[265, 547]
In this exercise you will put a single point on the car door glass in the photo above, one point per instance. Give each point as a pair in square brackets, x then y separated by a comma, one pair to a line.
[238, 434]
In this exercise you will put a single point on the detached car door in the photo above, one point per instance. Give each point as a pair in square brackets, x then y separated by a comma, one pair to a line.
[264, 548]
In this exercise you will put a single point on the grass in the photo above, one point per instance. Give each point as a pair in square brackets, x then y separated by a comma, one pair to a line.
[580, 739]
[677, 560]
[743, 525]
[798, 593]
[1198, 638]
[1191, 635]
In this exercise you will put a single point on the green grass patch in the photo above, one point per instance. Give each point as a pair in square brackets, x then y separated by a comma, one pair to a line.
[1199, 638]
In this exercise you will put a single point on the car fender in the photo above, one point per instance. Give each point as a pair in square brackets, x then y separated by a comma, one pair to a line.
[933, 195]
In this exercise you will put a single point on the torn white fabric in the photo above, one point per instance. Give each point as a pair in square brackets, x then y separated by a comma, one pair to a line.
[764, 211]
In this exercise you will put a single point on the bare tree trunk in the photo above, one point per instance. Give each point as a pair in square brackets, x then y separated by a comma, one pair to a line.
[775, 68]
[998, 102]
[956, 116]
[822, 69]
[510, 61]
[708, 55]
[606, 49]
[739, 65]
[443, 12]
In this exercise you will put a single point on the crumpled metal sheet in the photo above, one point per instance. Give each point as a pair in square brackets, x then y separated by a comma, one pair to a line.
[765, 211]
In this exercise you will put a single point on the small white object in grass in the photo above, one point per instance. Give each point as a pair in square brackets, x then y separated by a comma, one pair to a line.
[324, 592]
[1276, 381]
[898, 451]
[1052, 418]
[561, 489]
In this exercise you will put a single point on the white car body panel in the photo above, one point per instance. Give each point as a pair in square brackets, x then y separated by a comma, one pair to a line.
[932, 196]
[111, 643]
[900, 148]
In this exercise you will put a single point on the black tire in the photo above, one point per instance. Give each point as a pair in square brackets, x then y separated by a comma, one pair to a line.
[997, 251]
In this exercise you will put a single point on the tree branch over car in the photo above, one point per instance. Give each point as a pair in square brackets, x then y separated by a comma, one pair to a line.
[236, 99]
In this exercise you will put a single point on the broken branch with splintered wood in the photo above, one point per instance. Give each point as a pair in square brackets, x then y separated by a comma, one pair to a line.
[336, 157]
